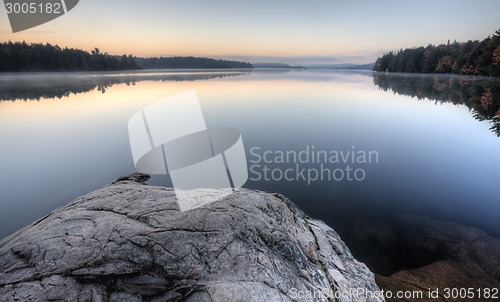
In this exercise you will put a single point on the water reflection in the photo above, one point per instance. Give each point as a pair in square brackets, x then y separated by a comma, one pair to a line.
[35, 86]
[480, 94]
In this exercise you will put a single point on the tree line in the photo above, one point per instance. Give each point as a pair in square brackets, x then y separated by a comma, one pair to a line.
[189, 62]
[21, 56]
[469, 58]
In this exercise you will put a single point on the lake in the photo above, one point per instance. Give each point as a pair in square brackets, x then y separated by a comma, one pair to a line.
[430, 142]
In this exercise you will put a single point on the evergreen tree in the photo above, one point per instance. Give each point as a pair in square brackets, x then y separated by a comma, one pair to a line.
[21, 56]
[471, 57]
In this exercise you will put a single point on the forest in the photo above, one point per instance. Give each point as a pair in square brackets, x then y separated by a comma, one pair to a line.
[468, 58]
[23, 57]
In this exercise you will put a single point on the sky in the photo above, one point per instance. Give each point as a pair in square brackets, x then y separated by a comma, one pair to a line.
[297, 32]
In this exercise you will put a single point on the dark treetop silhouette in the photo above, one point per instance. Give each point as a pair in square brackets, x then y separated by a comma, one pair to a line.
[46, 57]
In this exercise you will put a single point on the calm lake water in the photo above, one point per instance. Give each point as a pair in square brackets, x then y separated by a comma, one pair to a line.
[434, 138]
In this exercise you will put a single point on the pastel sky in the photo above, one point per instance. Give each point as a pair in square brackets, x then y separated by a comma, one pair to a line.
[297, 32]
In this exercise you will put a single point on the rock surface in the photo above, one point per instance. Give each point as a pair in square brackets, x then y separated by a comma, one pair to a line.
[130, 242]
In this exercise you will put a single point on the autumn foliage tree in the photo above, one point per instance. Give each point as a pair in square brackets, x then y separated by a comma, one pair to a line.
[471, 58]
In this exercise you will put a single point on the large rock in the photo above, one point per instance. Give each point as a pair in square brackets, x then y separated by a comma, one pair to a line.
[130, 242]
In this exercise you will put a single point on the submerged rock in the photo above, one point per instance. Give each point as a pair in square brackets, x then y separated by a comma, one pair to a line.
[465, 257]
[130, 242]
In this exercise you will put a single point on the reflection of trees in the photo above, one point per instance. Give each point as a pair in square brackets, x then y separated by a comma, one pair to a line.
[480, 94]
[58, 85]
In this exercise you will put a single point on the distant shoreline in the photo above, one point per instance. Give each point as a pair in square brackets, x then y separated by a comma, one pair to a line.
[161, 70]
[129, 71]
[174, 70]
[21, 56]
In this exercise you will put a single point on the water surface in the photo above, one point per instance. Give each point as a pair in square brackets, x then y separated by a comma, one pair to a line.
[435, 137]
